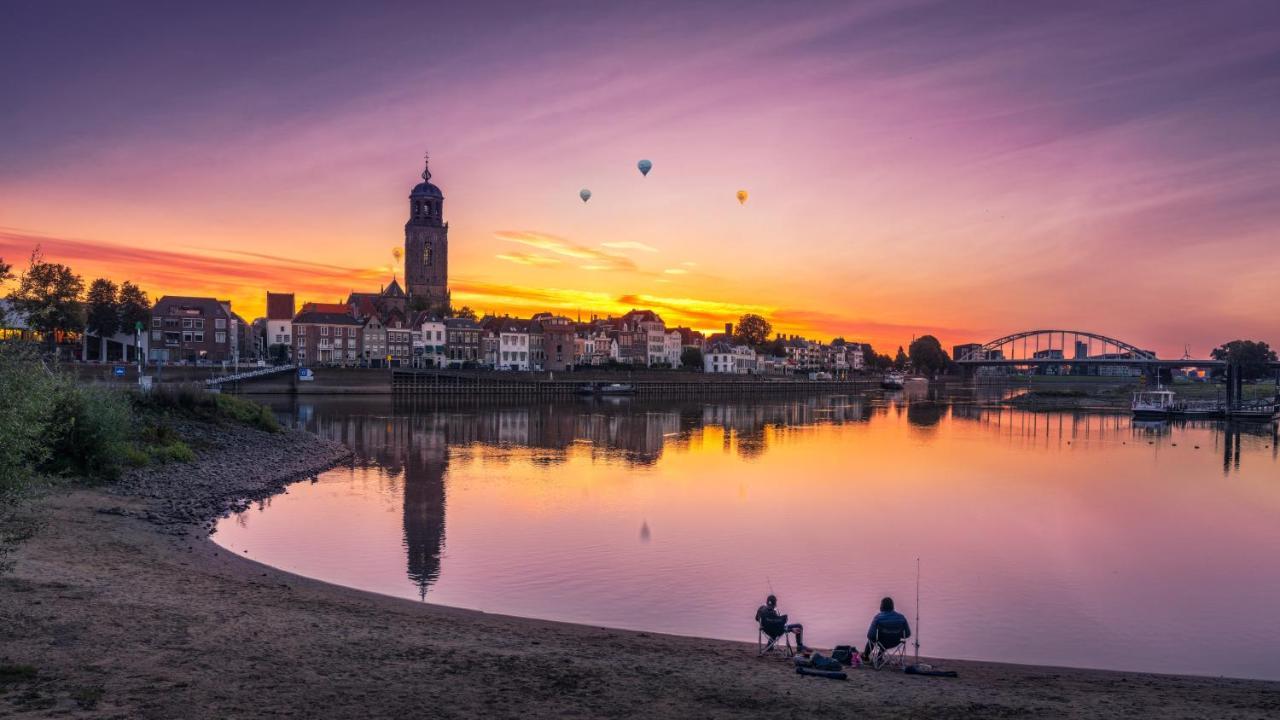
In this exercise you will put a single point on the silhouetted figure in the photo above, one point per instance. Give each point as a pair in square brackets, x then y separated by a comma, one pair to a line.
[887, 619]
[768, 614]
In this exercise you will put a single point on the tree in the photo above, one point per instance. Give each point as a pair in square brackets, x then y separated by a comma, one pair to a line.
[102, 314]
[874, 360]
[48, 295]
[465, 313]
[753, 330]
[691, 357]
[418, 303]
[900, 362]
[927, 355]
[5, 271]
[134, 306]
[1252, 356]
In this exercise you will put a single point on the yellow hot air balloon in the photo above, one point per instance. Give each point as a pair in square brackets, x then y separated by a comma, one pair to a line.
[397, 252]
[742, 197]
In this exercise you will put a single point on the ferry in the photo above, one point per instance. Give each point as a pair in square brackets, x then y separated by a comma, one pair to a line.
[893, 381]
[1154, 404]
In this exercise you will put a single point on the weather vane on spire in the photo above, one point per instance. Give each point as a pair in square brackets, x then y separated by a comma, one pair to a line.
[426, 166]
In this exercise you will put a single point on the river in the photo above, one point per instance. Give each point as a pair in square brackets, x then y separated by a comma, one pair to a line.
[1072, 539]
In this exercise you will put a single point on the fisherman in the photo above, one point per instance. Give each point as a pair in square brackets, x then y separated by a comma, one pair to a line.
[768, 613]
[887, 619]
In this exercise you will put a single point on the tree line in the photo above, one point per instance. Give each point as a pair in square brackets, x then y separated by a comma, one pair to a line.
[52, 299]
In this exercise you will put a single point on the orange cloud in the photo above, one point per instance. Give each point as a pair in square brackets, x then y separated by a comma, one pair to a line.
[521, 258]
[216, 273]
[595, 259]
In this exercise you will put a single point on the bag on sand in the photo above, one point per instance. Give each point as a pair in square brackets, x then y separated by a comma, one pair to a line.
[843, 654]
[819, 661]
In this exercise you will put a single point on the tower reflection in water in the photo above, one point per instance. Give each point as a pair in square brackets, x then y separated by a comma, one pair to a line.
[416, 443]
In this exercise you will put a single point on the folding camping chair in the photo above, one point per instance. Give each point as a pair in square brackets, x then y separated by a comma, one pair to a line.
[773, 636]
[889, 648]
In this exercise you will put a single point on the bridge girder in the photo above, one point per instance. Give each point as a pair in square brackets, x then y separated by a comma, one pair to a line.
[980, 355]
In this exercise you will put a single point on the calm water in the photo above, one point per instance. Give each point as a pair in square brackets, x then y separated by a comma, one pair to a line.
[1084, 540]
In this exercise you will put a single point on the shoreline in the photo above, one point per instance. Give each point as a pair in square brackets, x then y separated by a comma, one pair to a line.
[123, 606]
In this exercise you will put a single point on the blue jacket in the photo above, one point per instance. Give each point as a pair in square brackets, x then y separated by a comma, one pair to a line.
[890, 620]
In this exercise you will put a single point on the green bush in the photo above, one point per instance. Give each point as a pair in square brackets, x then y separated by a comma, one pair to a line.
[247, 412]
[196, 401]
[89, 432]
[26, 405]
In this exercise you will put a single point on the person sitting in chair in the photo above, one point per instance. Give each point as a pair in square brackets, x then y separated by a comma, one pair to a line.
[888, 620]
[767, 614]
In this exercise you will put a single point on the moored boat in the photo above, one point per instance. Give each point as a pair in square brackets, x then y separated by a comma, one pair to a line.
[893, 381]
[1153, 404]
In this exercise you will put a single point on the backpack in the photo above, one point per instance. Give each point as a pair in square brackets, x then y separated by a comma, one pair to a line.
[843, 654]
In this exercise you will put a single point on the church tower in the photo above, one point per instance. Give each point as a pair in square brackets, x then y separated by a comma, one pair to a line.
[426, 243]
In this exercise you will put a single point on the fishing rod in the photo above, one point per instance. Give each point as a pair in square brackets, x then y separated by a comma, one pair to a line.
[917, 612]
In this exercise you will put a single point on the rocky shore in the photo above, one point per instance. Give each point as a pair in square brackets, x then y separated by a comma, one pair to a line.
[120, 607]
[235, 465]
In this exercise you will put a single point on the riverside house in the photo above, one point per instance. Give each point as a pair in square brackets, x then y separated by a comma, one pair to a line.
[327, 334]
[462, 341]
[192, 329]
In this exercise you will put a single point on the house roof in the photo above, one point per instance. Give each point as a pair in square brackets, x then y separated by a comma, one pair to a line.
[175, 304]
[279, 306]
[326, 314]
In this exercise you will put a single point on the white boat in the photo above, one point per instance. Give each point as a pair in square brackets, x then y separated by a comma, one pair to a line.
[893, 381]
[1154, 403]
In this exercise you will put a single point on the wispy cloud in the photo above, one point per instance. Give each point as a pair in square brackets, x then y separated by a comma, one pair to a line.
[522, 258]
[629, 245]
[593, 259]
[676, 271]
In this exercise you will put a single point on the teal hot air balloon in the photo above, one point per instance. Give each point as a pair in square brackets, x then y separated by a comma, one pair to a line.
[645, 166]
[585, 194]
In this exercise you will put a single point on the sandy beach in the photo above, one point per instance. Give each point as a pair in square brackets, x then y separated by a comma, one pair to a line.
[119, 605]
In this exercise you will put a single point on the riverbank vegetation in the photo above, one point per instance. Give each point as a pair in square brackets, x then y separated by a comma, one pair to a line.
[56, 427]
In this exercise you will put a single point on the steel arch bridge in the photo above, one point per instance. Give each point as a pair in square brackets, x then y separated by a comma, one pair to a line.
[1051, 346]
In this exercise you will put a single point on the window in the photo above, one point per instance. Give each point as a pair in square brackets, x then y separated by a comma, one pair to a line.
[155, 322]
[198, 336]
[351, 332]
[219, 337]
[186, 323]
[426, 254]
[156, 335]
[220, 323]
[324, 331]
[279, 338]
[302, 331]
[186, 337]
[198, 323]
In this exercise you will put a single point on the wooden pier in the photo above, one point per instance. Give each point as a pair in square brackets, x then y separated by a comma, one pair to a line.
[428, 383]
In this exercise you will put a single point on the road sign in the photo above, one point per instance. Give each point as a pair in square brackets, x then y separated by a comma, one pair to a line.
[118, 371]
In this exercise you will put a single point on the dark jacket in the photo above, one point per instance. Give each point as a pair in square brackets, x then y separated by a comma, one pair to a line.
[889, 620]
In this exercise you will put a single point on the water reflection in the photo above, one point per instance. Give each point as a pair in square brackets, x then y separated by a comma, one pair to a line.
[666, 516]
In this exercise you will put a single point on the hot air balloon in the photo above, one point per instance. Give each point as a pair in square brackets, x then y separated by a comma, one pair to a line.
[397, 252]
[585, 194]
[742, 197]
[645, 166]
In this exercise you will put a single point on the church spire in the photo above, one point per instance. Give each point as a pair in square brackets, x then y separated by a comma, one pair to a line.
[426, 167]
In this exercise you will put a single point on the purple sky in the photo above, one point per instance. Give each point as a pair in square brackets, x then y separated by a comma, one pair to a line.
[962, 168]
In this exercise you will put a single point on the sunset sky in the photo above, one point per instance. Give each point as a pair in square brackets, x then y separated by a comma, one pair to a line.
[963, 169]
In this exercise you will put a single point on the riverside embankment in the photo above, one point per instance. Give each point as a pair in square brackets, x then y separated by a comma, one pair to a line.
[119, 606]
